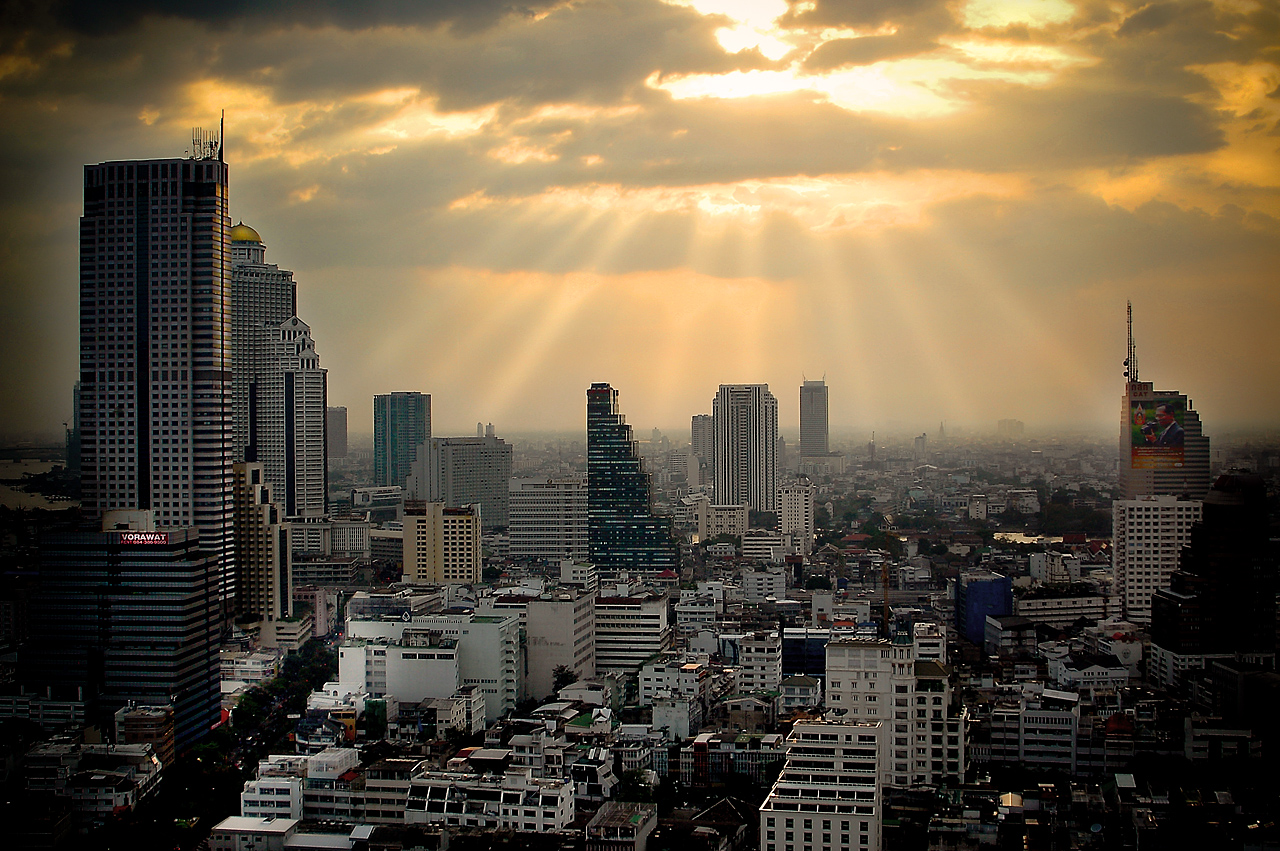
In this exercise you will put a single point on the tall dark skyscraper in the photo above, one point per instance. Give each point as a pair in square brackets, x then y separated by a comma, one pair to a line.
[155, 369]
[623, 532]
[814, 434]
[401, 423]
[127, 615]
[1222, 598]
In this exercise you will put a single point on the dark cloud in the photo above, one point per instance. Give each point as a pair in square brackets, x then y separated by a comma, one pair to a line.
[1012, 128]
[865, 51]
[1153, 17]
[95, 16]
[862, 13]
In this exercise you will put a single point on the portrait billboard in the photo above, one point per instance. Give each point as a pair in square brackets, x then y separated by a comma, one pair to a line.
[1156, 436]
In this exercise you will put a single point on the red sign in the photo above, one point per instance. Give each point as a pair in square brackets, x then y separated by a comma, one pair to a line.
[144, 537]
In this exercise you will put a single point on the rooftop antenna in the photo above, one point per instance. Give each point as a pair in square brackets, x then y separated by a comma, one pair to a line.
[1131, 362]
[222, 128]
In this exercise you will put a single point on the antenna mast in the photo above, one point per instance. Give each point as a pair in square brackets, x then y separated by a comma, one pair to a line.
[1131, 361]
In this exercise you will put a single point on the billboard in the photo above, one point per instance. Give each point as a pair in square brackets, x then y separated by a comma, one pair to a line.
[1156, 437]
[144, 538]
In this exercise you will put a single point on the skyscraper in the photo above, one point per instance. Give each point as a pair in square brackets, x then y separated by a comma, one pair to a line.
[336, 432]
[623, 532]
[1221, 601]
[263, 558]
[814, 434]
[155, 384]
[1164, 472]
[463, 471]
[745, 420]
[401, 423]
[1162, 450]
[128, 615]
[279, 390]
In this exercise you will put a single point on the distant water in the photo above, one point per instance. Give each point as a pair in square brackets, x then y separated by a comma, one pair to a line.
[1022, 538]
[11, 497]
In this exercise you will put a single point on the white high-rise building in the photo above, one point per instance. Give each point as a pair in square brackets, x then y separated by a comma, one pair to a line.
[814, 439]
[797, 514]
[548, 519]
[1148, 533]
[745, 423]
[829, 795]
[279, 390]
[155, 412]
[703, 438]
[884, 681]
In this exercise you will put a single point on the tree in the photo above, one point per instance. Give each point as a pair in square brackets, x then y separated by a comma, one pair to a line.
[561, 676]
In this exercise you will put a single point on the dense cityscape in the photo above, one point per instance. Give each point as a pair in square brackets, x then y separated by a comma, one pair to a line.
[230, 624]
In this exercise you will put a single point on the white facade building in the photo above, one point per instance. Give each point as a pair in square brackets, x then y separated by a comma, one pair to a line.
[418, 666]
[515, 800]
[560, 631]
[548, 519]
[881, 680]
[829, 794]
[760, 661]
[796, 514]
[629, 630]
[489, 652]
[745, 424]
[758, 585]
[1148, 534]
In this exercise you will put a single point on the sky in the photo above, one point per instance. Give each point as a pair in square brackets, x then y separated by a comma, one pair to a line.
[940, 207]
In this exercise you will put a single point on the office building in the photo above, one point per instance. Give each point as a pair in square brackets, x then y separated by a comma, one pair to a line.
[797, 514]
[489, 648]
[745, 422]
[882, 680]
[629, 630]
[263, 557]
[623, 532]
[1162, 449]
[155, 397]
[1148, 533]
[1221, 601]
[979, 594]
[829, 794]
[703, 438]
[465, 471]
[401, 423]
[814, 433]
[560, 630]
[335, 432]
[128, 615]
[548, 519]
[279, 390]
[441, 545]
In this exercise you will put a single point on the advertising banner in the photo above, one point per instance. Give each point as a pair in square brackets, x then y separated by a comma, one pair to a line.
[1156, 437]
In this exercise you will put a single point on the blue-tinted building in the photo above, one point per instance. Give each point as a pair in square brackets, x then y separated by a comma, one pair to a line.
[804, 651]
[401, 423]
[623, 532]
[977, 595]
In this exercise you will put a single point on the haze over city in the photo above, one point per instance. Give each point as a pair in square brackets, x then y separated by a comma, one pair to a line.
[941, 207]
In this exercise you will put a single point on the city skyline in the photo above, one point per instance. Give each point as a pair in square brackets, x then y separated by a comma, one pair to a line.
[941, 209]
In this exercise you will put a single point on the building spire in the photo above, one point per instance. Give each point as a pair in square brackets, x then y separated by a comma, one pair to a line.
[1131, 359]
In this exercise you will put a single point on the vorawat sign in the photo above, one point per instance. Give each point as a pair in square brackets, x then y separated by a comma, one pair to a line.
[144, 537]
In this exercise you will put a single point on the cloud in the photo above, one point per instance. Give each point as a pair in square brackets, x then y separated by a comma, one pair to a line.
[94, 16]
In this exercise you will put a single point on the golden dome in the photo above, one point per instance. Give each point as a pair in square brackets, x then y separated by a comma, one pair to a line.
[243, 233]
